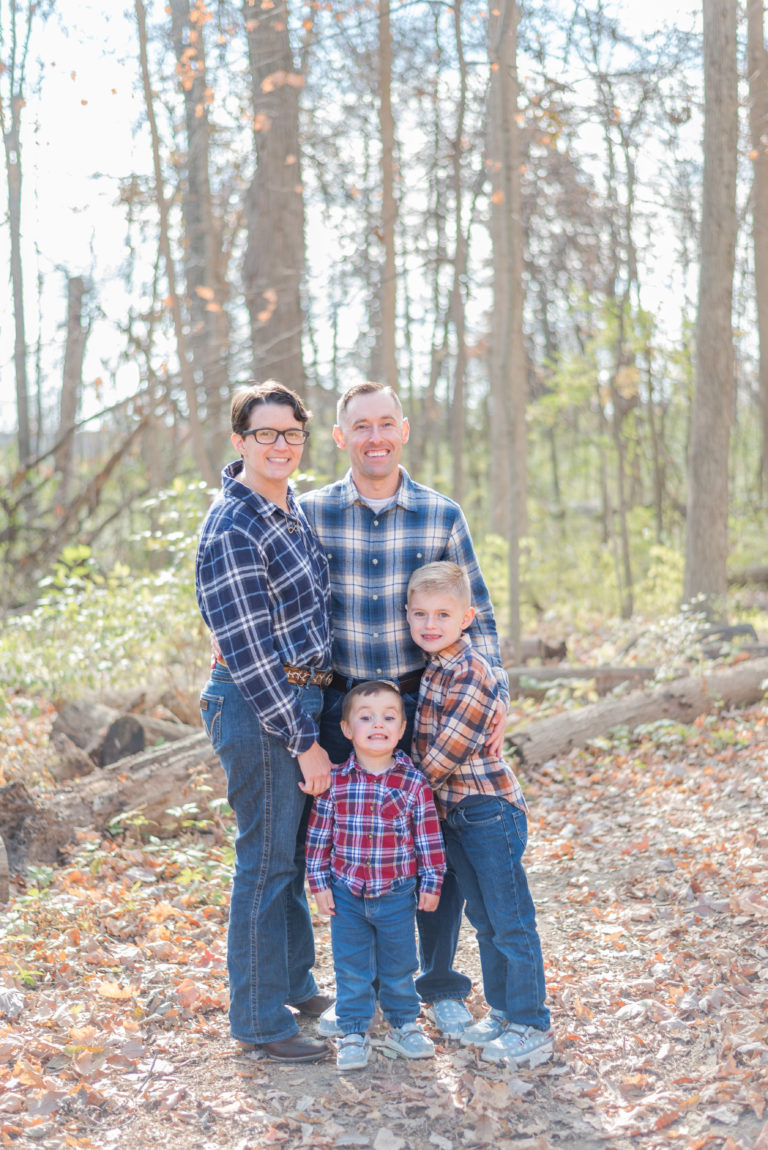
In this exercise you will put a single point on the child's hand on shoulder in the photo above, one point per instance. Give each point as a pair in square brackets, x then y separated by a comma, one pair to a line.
[325, 903]
[428, 901]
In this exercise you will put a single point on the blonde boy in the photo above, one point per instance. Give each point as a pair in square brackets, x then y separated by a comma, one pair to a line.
[484, 812]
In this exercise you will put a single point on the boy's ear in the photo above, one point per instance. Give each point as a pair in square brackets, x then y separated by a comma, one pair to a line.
[346, 730]
[469, 615]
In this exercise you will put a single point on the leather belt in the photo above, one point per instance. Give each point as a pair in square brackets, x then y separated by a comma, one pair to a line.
[301, 676]
[408, 684]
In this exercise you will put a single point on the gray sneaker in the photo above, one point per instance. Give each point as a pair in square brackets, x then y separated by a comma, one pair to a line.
[327, 1024]
[520, 1044]
[353, 1052]
[410, 1041]
[450, 1016]
[485, 1030]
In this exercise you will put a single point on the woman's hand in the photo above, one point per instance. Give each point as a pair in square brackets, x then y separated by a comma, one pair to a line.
[315, 766]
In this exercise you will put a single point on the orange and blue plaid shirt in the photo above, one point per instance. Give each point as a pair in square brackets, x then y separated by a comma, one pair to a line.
[457, 705]
[374, 832]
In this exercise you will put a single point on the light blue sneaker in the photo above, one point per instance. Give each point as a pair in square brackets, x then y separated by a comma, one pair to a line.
[327, 1024]
[410, 1041]
[353, 1052]
[485, 1030]
[450, 1016]
[520, 1044]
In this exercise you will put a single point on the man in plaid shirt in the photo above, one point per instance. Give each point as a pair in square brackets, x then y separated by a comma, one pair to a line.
[373, 839]
[377, 526]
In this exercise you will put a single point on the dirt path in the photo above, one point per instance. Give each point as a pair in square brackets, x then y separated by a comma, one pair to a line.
[649, 865]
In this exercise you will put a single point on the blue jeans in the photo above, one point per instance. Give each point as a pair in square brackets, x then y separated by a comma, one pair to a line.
[270, 945]
[484, 839]
[438, 930]
[374, 939]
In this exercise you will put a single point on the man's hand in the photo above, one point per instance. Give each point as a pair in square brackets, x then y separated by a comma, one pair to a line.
[428, 901]
[498, 730]
[325, 903]
[315, 766]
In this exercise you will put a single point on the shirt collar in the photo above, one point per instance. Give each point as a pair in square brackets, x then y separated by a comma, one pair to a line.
[452, 654]
[400, 760]
[404, 496]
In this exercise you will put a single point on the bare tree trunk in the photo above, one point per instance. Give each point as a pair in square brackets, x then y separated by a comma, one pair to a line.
[205, 280]
[274, 258]
[187, 376]
[757, 64]
[508, 447]
[458, 421]
[71, 384]
[11, 103]
[707, 527]
[388, 201]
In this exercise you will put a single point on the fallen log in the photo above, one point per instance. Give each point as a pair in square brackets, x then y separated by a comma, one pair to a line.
[38, 830]
[532, 680]
[682, 700]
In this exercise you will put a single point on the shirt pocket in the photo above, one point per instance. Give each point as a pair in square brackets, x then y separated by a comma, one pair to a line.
[394, 808]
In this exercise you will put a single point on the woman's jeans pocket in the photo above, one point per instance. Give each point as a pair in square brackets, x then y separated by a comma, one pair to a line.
[211, 707]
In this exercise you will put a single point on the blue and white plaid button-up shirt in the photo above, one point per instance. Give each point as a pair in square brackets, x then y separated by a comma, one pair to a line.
[263, 589]
[371, 556]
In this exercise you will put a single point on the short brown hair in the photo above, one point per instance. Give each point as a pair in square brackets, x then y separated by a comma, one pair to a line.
[254, 394]
[441, 576]
[366, 388]
[370, 687]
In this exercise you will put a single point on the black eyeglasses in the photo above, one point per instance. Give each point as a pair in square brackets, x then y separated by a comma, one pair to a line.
[294, 436]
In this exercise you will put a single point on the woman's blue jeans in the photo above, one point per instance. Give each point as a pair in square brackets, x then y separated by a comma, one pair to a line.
[484, 840]
[374, 939]
[438, 930]
[270, 945]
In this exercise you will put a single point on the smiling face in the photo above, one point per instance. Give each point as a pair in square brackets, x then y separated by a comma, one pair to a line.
[266, 467]
[373, 431]
[437, 619]
[375, 725]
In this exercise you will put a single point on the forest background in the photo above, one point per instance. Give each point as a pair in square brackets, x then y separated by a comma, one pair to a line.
[544, 225]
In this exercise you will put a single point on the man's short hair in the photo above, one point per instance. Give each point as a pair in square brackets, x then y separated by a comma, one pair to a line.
[441, 576]
[366, 388]
[370, 687]
[254, 394]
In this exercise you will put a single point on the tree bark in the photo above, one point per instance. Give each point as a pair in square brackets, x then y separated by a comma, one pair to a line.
[388, 201]
[706, 550]
[507, 364]
[757, 67]
[71, 384]
[274, 258]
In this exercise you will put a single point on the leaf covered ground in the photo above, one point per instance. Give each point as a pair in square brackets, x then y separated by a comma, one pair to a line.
[649, 864]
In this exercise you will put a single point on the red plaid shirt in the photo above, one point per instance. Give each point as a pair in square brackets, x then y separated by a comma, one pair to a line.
[373, 832]
[457, 703]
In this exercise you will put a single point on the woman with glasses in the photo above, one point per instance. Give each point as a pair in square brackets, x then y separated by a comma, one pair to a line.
[263, 590]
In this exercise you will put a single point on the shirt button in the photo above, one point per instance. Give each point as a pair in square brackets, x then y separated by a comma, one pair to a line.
[375, 634]
[375, 523]
[419, 554]
[375, 562]
[379, 671]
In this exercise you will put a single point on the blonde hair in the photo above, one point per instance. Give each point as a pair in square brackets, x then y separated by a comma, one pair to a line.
[441, 576]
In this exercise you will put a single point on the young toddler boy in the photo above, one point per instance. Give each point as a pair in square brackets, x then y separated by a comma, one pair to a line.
[374, 854]
[484, 813]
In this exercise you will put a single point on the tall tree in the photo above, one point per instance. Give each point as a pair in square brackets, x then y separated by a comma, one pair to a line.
[71, 383]
[274, 259]
[706, 549]
[507, 362]
[757, 65]
[16, 23]
[388, 201]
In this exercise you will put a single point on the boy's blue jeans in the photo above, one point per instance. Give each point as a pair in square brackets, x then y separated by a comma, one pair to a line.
[438, 930]
[270, 945]
[484, 840]
[374, 938]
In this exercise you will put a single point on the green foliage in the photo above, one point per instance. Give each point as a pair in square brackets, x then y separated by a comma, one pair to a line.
[94, 628]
